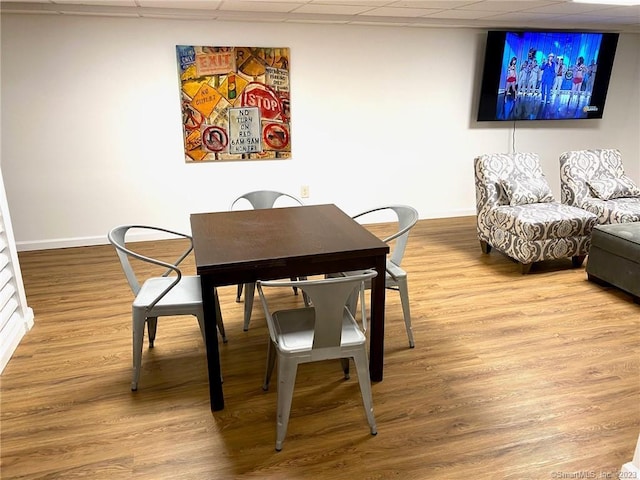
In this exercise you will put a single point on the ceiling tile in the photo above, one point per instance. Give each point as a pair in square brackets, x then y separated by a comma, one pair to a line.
[434, 4]
[248, 6]
[508, 6]
[632, 11]
[182, 4]
[463, 14]
[566, 8]
[110, 3]
[356, 3]
[332, 9]
[400, 12]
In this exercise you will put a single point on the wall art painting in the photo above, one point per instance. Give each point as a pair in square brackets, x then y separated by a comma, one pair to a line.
[235, 103]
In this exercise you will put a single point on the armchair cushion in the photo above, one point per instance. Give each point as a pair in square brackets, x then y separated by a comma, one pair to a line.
[581, 174]
[618, 210]
[544, 221]
[610, 188]
[523, 191]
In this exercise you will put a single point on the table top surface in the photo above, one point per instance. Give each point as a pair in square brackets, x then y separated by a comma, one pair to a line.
[243, 238]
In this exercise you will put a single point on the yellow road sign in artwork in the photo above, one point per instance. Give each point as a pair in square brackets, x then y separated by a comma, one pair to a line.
[206, 99]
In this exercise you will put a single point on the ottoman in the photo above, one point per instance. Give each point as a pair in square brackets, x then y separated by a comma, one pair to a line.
[614, 256]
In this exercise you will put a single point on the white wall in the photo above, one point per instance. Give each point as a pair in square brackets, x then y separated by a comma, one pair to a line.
[91, 124]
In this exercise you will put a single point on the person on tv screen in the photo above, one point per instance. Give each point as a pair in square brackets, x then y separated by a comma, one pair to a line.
[510, 86]
[548, 69]
[591, 76]
[560, 71]
[523, 76]
[579, 69]
[533, 76]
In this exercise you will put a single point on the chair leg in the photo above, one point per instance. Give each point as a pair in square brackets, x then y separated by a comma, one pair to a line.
[239, 293]
[345, 368]
[287, 370]
[138, 321]
[271, 360]
[295, 289]
[249, 290]
[578, 260]
[526, 268]
[485, 247]
[363, 307]
[152, 327]
[362, 367]
[219, 321]
[406, 309]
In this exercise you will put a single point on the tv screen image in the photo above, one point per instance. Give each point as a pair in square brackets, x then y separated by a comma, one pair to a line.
[545, 75]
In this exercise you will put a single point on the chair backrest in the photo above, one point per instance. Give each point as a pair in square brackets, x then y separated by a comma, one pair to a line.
[578, 167]
[407, 217]
[329, 301]
[262, 199]
[117, 238]
[491, 169]
[328, 297]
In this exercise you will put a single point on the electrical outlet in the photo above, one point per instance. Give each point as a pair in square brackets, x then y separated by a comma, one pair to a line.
[304, 191]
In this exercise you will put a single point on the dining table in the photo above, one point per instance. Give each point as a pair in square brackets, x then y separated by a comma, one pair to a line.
[243, 246]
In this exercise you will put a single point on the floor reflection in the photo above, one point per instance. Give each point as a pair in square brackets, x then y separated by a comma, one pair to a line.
[531, 106]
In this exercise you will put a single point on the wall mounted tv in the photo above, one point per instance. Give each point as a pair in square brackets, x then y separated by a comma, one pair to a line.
[545, 75]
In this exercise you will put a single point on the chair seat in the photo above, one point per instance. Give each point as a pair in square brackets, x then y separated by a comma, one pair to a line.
[618, 210]
[295, 329]
[542, 221]
[186, 292]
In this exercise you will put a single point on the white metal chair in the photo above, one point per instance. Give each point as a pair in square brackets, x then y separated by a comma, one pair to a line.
[260, 199]
[396, 277]
[325, 330]
[169, 294]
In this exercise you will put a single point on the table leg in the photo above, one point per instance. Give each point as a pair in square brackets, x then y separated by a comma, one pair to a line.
[211, 307]
[376, 342]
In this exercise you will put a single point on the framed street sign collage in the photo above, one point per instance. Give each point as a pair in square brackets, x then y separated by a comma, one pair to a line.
[235, 103]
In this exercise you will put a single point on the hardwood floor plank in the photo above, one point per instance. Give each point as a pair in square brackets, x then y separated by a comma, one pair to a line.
[513, 377]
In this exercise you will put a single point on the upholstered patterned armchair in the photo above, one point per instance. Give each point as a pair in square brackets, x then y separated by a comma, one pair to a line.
[518, 215]
[595, 181]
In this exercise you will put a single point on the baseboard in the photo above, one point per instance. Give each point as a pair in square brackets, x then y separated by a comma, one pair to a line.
[451, 214]
[82, 241]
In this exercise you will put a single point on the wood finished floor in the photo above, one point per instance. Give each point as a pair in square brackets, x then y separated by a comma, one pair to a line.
[513, 377]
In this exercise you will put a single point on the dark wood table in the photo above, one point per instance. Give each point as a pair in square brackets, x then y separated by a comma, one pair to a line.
[248, 245]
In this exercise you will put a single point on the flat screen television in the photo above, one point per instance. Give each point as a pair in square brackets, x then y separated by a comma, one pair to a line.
[545, 75]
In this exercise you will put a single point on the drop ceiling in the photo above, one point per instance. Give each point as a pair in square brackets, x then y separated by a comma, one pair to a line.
[555, 14]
